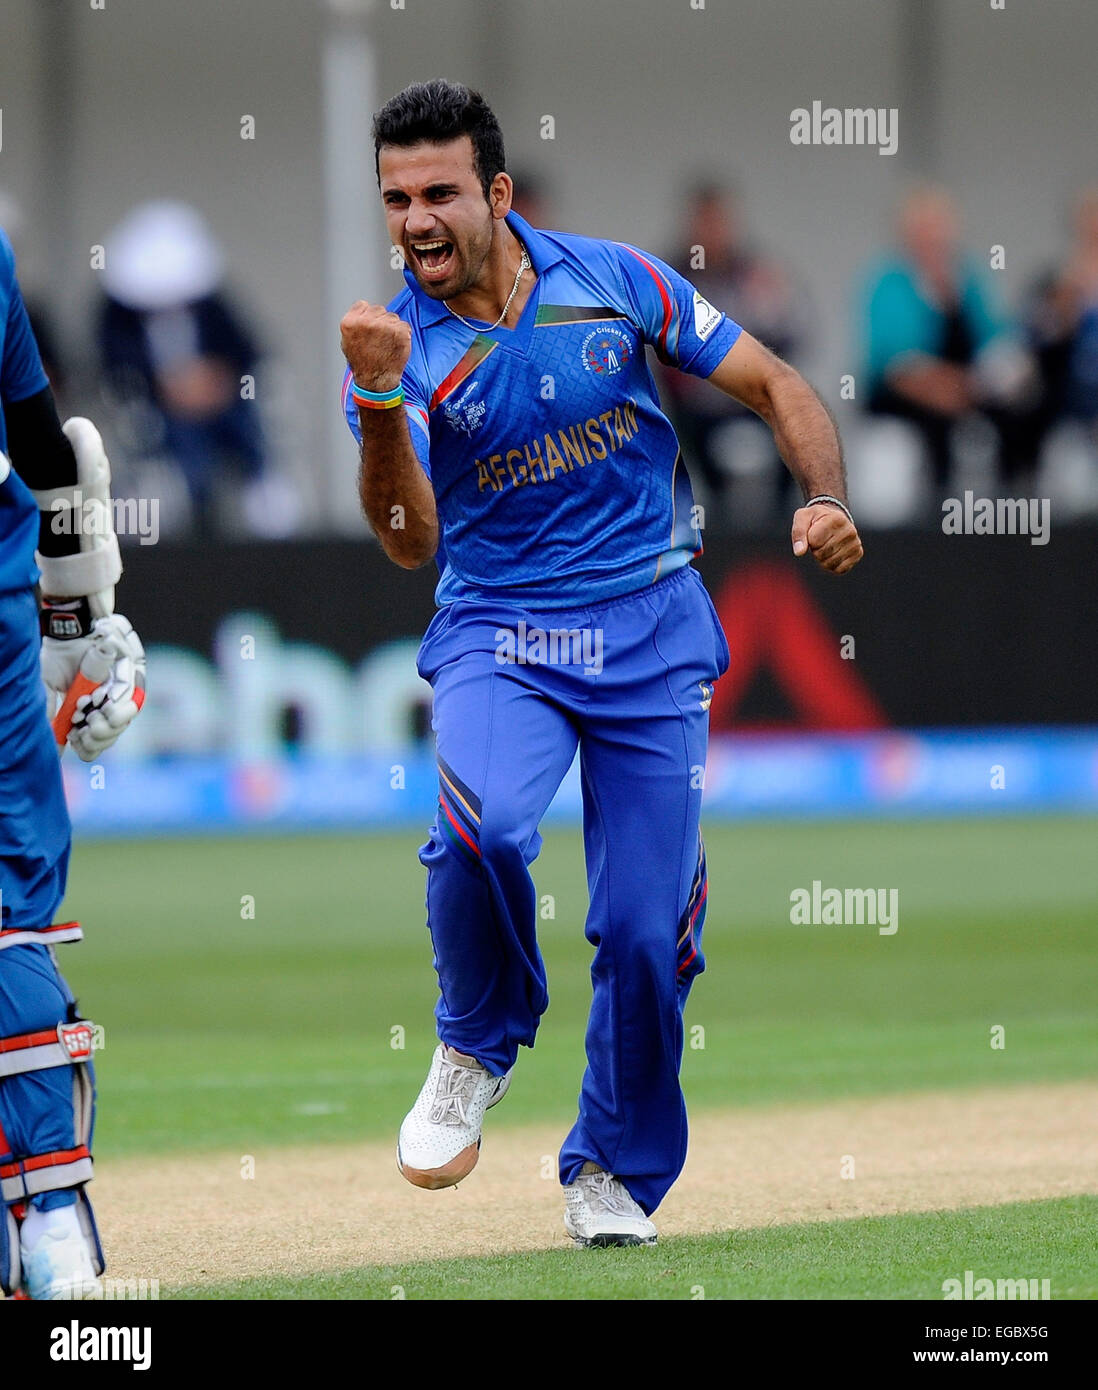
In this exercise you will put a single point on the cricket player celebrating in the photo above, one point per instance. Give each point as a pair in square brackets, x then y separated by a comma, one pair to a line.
[54, 492]
[509, 425]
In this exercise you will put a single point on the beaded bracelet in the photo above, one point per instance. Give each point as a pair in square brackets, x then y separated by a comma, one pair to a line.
[834, 501]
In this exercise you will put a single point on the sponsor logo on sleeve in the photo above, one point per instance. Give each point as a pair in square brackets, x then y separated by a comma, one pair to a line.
[706, 317]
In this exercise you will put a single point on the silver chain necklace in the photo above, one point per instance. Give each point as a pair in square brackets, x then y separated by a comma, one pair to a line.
[524, 264]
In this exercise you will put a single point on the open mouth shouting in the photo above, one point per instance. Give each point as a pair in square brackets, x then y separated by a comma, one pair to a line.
[434, 258]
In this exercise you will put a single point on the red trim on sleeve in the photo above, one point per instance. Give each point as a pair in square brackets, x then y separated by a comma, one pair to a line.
[665, 296]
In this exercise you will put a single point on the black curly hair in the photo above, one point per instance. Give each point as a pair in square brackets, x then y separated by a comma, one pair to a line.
[438, 111]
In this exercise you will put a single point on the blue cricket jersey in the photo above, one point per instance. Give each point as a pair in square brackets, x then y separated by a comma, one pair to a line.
[557, 476]
[34, 824]
[21, 375]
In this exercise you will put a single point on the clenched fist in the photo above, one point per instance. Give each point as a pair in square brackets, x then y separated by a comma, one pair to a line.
[829, 535]
[376, 344]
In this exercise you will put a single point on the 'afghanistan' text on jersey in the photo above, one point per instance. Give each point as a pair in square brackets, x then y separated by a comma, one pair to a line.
[556, 474]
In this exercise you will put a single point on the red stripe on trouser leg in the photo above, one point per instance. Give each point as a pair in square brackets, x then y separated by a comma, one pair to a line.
[451, 818]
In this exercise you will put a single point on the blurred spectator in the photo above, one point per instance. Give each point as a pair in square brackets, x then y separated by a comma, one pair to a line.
[940, 351]
[170, 341]
[14, 223]
[721, 438]
[1063, 323]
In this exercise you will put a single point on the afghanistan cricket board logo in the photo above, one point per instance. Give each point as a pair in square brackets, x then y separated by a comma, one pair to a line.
[606, 351]
[464, 414]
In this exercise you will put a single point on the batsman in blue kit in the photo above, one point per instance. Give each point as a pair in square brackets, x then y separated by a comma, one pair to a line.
[55, 523]
[509, 428]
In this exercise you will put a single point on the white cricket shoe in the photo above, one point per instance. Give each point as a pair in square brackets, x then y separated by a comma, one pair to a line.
[58, 1265]
[599, 1211]
[439, 1140]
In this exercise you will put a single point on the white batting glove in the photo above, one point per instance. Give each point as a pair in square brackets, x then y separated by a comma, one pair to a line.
[62, 654]
[115, 660]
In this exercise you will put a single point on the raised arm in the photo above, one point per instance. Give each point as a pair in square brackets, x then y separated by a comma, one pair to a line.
[807, 441]
[396, 494]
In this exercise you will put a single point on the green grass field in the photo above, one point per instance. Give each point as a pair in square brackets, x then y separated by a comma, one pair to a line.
[220, 1028]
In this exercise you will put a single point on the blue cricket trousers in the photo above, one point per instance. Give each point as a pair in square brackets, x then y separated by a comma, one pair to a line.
[628, 681]
[37, 1113]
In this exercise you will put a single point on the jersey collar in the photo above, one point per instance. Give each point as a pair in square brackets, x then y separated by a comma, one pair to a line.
[543, 252]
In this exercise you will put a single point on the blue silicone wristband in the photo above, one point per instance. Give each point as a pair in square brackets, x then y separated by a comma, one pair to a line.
[360, 393]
